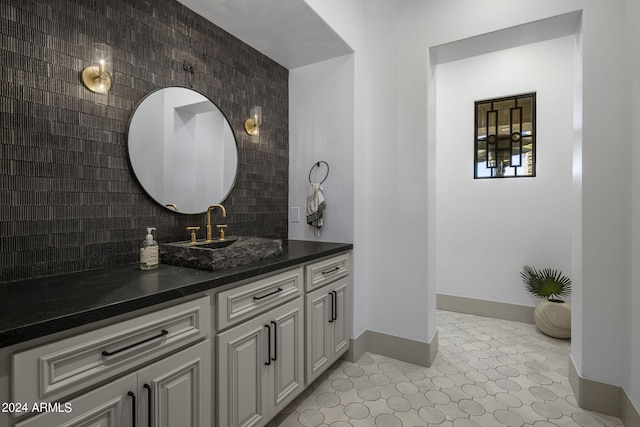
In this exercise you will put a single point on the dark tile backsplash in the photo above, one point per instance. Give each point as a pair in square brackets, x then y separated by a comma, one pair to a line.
[68, 201]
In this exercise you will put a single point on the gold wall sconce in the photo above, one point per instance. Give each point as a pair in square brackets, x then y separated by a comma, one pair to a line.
[97, 77]
[252, 124]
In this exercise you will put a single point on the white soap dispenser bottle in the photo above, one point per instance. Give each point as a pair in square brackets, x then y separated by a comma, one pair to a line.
[149, 252]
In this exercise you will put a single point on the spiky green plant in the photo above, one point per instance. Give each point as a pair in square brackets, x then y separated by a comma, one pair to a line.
[546, 283]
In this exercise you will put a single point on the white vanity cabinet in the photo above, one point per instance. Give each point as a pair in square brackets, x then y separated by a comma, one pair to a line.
[151, 370]
[234, 354]
[261, 361]
[327, 314]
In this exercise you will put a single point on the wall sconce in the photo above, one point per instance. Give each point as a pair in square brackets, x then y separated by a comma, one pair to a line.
[97, 77]
[252, 124]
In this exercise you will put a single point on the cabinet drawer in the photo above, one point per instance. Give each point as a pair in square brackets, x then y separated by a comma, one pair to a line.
[105, 406]
[53, 370]
[326, 271]
[245, 301]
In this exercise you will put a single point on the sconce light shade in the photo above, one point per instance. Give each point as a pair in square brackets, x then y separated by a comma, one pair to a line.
[97, 77]
[252, 124]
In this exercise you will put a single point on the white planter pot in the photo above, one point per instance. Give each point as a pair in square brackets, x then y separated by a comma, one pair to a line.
[554, 318]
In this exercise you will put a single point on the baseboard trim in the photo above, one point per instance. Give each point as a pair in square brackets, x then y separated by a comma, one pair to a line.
[604, 398]
[479, 307]
[404, 349]
[594, 395]
[357, 348]
[630, 414]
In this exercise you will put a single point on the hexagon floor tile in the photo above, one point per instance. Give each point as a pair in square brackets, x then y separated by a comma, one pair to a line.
[487, 373]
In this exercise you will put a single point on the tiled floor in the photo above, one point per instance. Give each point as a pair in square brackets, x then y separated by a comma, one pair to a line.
[487, 373]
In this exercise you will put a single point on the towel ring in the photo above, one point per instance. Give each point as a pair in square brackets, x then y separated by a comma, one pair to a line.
[317, 165]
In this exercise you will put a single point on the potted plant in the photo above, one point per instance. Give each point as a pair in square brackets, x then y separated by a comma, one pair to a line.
[552, 315]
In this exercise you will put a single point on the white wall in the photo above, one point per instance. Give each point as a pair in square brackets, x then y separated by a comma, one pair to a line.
[488, 229]
[347, 19]
[606, 195]
[602, 310]
[393, 116]
[632, 385]
[577, 330]
[321, 111]
[396, 189]
[390, 292]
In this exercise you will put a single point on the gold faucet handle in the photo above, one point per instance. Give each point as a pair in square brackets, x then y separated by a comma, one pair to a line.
[221, 231]
[193, 230]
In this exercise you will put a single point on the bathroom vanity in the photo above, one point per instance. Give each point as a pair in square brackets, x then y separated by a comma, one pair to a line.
[174, 346]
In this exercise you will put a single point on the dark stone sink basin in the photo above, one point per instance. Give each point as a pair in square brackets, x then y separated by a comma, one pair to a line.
[220, 254]
[216, 244]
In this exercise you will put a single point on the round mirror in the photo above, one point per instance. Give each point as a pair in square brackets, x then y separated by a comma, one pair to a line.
[182, 150]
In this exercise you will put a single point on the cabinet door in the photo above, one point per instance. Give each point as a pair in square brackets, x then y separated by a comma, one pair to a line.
[176, 391]
[242, 376]
[107, 406]
[286, 379]
[340, 334]
[318, 315]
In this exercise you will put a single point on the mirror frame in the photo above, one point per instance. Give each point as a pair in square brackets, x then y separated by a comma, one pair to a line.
[226, 191]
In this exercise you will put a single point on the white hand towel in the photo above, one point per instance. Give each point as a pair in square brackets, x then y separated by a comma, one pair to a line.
[315, 206]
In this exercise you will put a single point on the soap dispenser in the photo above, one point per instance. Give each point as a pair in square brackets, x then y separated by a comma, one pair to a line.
[149, 252]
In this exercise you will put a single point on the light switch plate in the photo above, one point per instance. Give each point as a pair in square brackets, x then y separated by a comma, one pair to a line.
[295, 214]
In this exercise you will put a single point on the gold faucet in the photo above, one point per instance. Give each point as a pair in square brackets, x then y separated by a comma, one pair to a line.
[209, 209]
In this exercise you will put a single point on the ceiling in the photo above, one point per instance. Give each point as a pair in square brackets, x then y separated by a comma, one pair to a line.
[288, 31]
[520, 35]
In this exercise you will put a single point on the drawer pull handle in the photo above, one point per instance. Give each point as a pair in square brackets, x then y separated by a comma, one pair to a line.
[332, 307]
[333, 270]
[268, 295]
[148, 388]
[275, 341]
[335, 305]
[155, 337]
[133, 410]
[268, 362]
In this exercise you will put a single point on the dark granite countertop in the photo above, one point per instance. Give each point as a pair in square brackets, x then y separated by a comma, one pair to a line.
[39, 307]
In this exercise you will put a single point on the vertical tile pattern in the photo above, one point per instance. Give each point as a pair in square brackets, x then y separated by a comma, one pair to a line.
[68, 201]
[488, 373]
